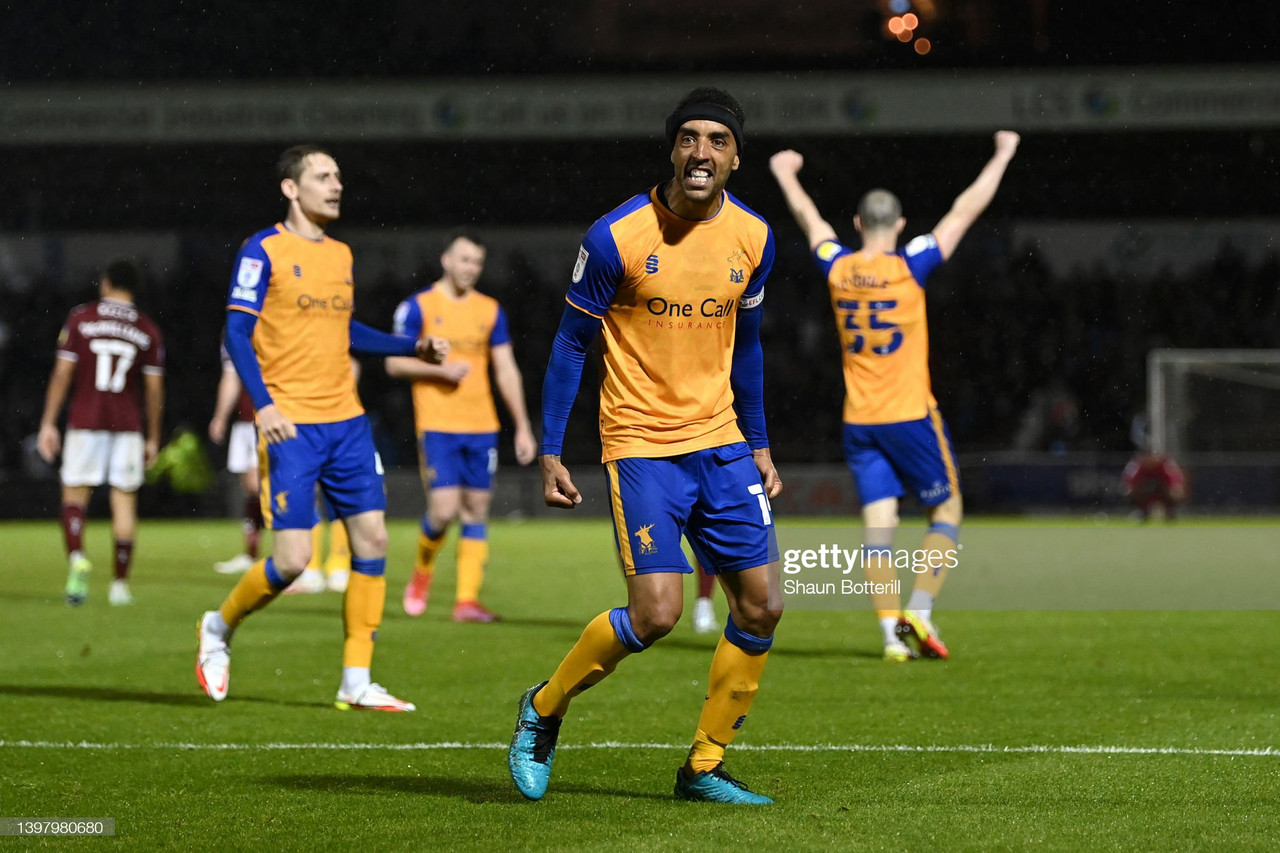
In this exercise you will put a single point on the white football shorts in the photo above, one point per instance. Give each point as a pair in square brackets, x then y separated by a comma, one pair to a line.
[242, 447]
[91, 457]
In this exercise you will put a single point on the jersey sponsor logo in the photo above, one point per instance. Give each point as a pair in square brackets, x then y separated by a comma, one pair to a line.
[581, 266]
[828, 250]
[651, 264]
[748, 302]
[920, 244]
[647, 545]
[249, 274]
[307, 302]
[707, 308]
[248, 294]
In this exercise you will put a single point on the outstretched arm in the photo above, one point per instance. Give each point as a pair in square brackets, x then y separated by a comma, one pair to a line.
[969, 205]
[786, 166]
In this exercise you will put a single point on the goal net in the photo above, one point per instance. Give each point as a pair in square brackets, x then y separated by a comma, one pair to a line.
[1213, 401]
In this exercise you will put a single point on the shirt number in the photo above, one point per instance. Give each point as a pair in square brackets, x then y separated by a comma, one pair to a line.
[114, 358]
[850, 309]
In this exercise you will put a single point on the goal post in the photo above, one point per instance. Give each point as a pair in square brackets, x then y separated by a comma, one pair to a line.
[1213, 401]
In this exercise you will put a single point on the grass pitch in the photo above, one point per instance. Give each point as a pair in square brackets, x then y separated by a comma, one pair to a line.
[1048, 729]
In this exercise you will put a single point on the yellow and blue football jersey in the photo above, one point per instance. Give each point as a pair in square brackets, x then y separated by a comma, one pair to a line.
[303, 295]
[473, 325]
[879, 307]
[668, 291]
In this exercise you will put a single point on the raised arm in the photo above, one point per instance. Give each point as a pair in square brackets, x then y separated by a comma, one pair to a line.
[970, 204]
[786, 166]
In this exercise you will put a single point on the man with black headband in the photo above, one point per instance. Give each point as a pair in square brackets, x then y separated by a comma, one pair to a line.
[671, 283]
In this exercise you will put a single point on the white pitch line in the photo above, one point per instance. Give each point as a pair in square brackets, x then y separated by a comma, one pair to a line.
[1264, 752]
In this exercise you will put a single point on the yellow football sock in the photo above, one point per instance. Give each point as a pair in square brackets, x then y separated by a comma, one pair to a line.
[877, 566]
[594, 656]
[317, 546]
[731, 688]
[339, 558]
[940, 549]
[362, 614]
[427, 550]
[252, 592]
[472, 556]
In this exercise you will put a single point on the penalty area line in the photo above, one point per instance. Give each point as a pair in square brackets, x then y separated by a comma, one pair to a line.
[1040, 749]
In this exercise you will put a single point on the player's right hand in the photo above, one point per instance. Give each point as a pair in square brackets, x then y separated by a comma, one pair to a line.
[786, 163]
[1006, 142]
[48, 443]
[274, 426]
[432, 350]
[455, 371]
[558, 490]
[217, 430]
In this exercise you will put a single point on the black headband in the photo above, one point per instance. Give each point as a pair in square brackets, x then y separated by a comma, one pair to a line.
[709, 112]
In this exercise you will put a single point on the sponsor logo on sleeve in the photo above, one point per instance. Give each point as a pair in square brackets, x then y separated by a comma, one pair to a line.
[827, 251]
[581, 266]
[748, 302]
[250, 273]
[920, 244]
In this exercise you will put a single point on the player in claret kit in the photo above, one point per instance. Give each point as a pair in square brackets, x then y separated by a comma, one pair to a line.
[671, 283]
[894, 436]
[109, 353]
[290, 332]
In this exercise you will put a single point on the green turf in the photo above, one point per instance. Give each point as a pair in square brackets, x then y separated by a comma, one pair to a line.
[100, 714]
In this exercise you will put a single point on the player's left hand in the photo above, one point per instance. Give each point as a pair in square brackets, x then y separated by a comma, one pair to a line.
[526, 446]
[768, 473]
[786, 163]
[432, 350]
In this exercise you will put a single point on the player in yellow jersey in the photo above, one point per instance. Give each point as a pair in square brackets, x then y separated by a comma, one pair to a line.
[671, 283]
[456, 420]
[289, 333]
[894, 438]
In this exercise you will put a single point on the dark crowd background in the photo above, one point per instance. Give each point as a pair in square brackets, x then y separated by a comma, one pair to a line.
[1022, 357]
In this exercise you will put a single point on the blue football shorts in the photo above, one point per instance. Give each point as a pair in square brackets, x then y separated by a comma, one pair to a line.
[888, 459]
[340, 458]
[714, 498]
[467, 459]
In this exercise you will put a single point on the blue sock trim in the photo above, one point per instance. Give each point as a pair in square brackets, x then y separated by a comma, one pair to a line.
[374, 568]
[950, 531]
[743, 640]
[427, 530]
[621, 622]
[273, 577]
[475, 531]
